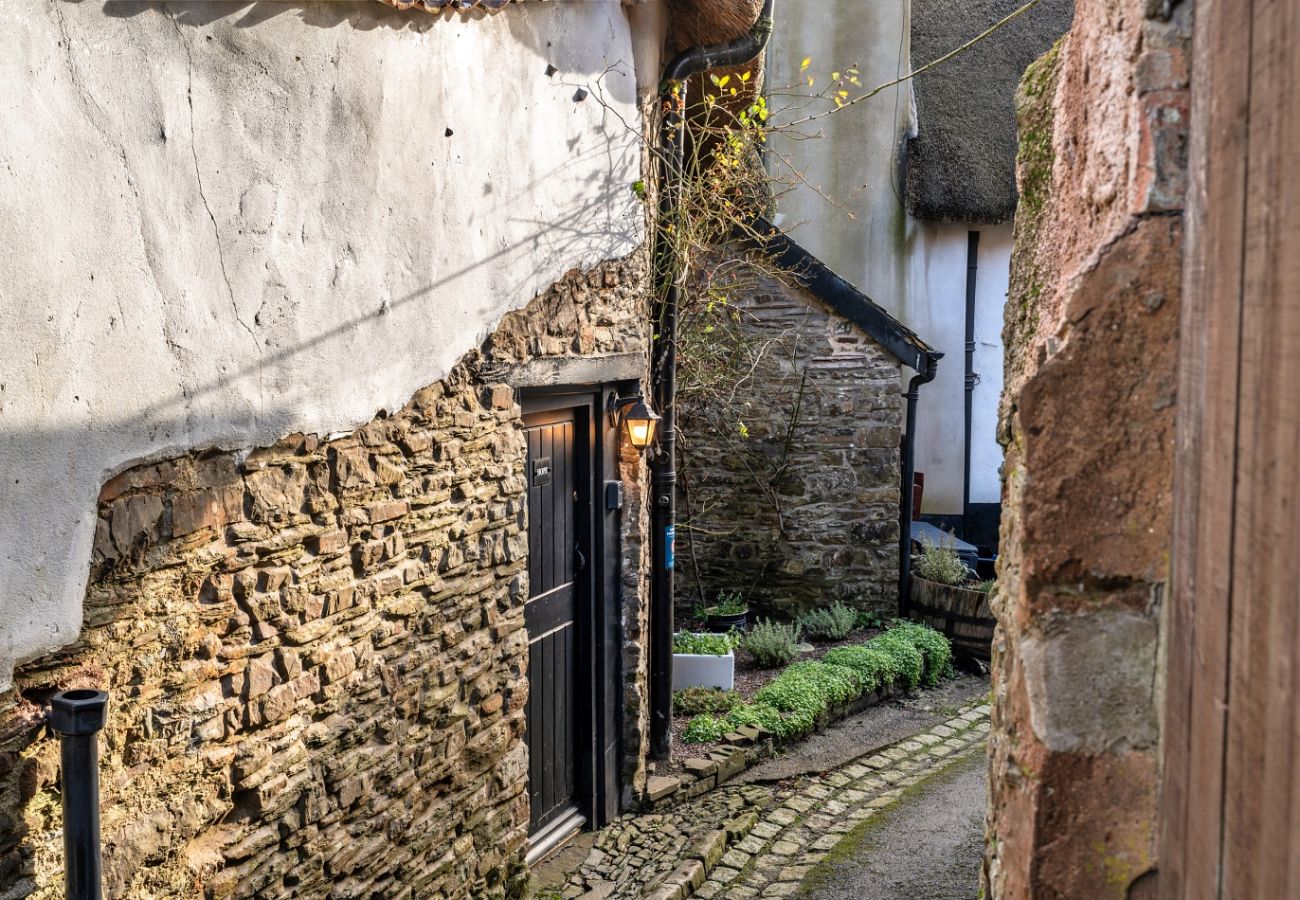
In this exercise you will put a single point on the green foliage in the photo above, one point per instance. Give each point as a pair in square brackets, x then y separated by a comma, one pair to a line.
[908, 653]
[705, 729]
[763, 715]
[694, 701]
[940, 563]
[730, 603]
[986, 587]
[934, 648]
[704, 644]
[910, 661]
[831, 623]
[771, 643]
[876, 666]
[868, 619]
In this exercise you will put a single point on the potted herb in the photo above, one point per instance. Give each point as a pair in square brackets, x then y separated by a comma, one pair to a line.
[730, 611]
[703, 660]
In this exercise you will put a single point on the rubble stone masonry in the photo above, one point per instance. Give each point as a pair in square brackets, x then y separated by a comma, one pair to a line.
[802, 509]
[316, 650]
[1087, 423]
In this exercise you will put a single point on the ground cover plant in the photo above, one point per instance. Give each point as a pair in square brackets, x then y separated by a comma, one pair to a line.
[908, 654]
[828, 623]
[693, 701]
[772, 644]
[704, 644]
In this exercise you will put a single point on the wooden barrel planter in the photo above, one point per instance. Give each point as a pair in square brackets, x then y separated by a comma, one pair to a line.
[962, 614]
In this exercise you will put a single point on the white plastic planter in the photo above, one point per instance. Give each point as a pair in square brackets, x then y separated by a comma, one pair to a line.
[698, 670]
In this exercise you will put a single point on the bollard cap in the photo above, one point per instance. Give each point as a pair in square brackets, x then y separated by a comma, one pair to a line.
[79, 711]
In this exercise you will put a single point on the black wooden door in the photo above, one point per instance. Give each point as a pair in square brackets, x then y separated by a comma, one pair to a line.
[557, 467]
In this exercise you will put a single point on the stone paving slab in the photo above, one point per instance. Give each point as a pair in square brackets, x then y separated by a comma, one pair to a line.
[762, 840]
[875, 785]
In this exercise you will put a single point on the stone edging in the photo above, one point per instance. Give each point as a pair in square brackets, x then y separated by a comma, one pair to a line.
[741, 749]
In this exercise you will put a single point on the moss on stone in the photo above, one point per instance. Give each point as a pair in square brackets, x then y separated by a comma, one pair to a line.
[1035, 114]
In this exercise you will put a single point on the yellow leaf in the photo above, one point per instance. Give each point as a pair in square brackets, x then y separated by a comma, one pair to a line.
[807, 61]
[722, 82]
[745, 76]
[835, 76]
[810, 81]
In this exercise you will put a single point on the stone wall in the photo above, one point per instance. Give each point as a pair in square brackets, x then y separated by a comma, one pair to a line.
[216, 214]
[789, 475]
[1087, 422]
[316, 649]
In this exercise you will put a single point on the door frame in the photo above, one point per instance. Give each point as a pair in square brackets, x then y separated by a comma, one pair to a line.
[599, 623]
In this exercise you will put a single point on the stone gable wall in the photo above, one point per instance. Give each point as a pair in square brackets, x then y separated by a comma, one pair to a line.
[804, 510]
[316, 650]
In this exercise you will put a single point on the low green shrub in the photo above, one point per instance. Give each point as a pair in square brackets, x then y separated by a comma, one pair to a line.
[696, 700]
[940, 562]
[704, 644]
[705, 729]
[766, 716]
[934, 647]
[771, 643]
[805, 690]
[986, 587]
[908, 653]
[868, 619]
[874, 665]
[910, 661]
[828, 623]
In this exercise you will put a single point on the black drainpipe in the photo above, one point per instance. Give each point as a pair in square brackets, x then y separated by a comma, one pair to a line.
[930, 368]
[77, 717]
[668, 281]
[972, 265]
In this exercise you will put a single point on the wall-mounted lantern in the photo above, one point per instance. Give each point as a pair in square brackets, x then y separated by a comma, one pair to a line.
[639, 419]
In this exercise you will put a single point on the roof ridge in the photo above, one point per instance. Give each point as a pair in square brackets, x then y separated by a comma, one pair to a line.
[839, 293]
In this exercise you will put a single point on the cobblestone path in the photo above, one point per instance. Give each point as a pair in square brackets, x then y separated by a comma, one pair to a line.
[763, 840]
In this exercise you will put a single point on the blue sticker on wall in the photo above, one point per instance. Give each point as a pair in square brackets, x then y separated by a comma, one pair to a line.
[670, 534]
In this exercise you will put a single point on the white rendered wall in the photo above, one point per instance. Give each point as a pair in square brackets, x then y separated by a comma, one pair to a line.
[246, 220]
[991, 284]
[938, 274]
[845, 205]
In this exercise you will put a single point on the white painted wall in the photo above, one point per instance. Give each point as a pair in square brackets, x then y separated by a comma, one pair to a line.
[991, 285]
[844, 203]
[240, 221]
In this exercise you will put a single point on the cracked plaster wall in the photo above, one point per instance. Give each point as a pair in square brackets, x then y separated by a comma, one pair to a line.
[229, 222]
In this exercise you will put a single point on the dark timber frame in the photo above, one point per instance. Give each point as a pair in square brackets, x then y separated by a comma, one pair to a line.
[597, 746]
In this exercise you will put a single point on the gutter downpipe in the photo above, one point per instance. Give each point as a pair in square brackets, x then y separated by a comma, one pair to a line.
[930, 363]
[972, 268]
[669, 274]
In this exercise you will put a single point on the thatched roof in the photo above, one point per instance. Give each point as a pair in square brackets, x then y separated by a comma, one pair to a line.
[695, 23]
[961, 164]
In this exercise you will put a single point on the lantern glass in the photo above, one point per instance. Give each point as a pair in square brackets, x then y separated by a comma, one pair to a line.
[641, 432]
[641, 422]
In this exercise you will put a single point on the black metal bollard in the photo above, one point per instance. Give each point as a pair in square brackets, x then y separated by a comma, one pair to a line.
[77, 716]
